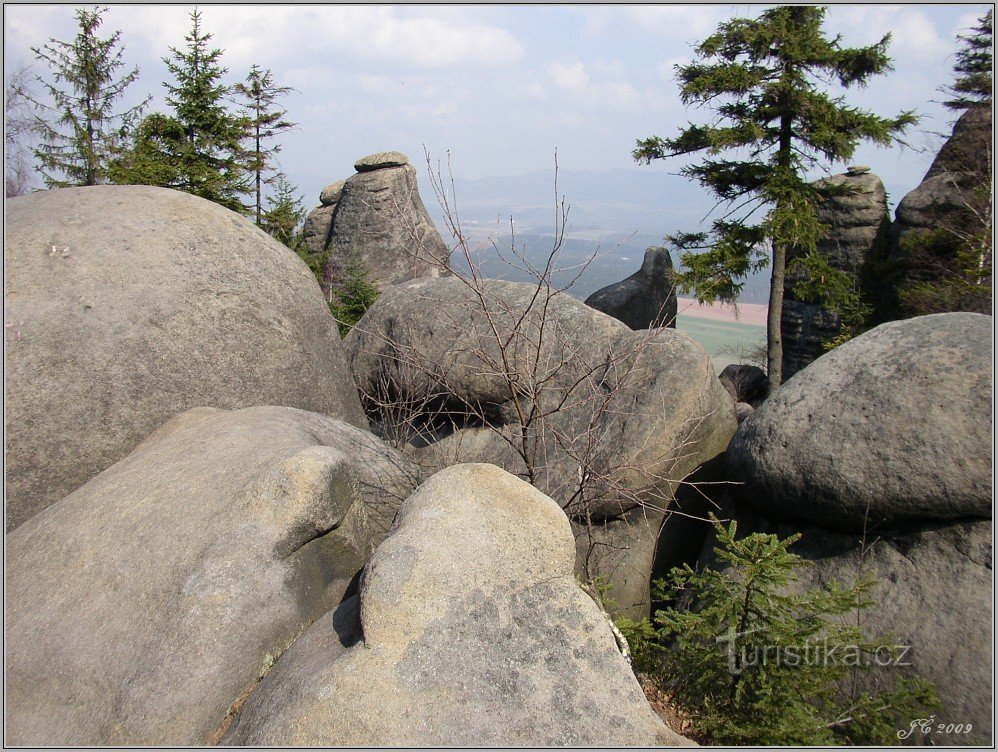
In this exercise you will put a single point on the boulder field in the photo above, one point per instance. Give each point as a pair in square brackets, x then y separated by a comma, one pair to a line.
[126, 305]
[606, 420]
[469, 630]
[880, 454]
[143, 604]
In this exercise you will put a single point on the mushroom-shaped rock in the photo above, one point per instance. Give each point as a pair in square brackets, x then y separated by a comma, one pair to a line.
[471, 631]
[126, 305]
[381, 220]
[646, 299]
[144, 604]
[882, 429]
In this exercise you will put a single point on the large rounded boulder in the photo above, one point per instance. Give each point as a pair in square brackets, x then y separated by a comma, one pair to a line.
[891, 427]
[601, 418]
[126, 305]
[144, 604]
[469, 630]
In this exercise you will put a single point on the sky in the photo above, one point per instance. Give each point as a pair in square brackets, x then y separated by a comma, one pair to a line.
[499, 89]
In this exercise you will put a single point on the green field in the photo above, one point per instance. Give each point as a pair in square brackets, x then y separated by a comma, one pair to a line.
[724, 341]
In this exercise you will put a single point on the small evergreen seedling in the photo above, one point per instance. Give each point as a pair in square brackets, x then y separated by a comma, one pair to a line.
[354, 294]
[754, 660]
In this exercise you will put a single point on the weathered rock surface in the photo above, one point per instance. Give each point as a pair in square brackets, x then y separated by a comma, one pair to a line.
[745, 383]
[381, 218]
[646, 299]
[126, 305]
[140, 607]
[330, 195]
[886, 428]
[380, 160]
[318, 226]
[470, 631]
[431, 342]
[951, 205]
[933, 594]
[858, 233]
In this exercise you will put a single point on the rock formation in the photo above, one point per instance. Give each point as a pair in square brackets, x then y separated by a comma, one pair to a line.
[630, 413]
[882, 429]
[879, 453]
[126, 305]
[646, 299]
[319, 223]
[858, 230]
[948, 211]
[380, 217]
[745, 383]
[141, 606]
[469, 631]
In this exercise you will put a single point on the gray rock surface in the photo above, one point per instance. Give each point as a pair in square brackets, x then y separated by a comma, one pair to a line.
[646, 299]
[933, 594]
[330, 195]
[432, 342]
[474, 633]
[381, 218]
[805, 328]
[858, 225]
[951, 204]
[745, 383]
[318, 227]
[379, 160]
[140, 607]
[126, 305]
[892, 426]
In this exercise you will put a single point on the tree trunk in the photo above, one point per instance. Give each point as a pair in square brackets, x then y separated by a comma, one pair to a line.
[774, 340]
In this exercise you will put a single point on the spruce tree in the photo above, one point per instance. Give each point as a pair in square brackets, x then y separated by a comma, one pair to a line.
[283, 217]
[974, 83]
[765, 80]
[209, 155]
[84, 130]
[259, 94]
[197, 148]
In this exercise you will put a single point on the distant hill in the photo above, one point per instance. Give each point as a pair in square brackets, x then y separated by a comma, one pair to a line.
[612, 216]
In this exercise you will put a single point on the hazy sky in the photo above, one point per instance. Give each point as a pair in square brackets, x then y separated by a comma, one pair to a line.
[500, 87]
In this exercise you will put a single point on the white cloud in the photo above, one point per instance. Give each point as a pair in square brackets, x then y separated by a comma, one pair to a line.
[378, 33]
[678, 20]
[535, 90]
[571, 77]
[911, 30]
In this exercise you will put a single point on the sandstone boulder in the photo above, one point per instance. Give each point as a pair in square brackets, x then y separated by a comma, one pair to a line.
[745, 383]
[634, 412]
[470, 631]
[379, 160]
[646, 299]
[883, 429]
[381, 218]
[330, 195]
[947, 212]
[141, 606]
[857, 235]
[126, 305]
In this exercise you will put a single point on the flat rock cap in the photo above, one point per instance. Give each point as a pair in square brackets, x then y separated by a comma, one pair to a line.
[380, 160]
